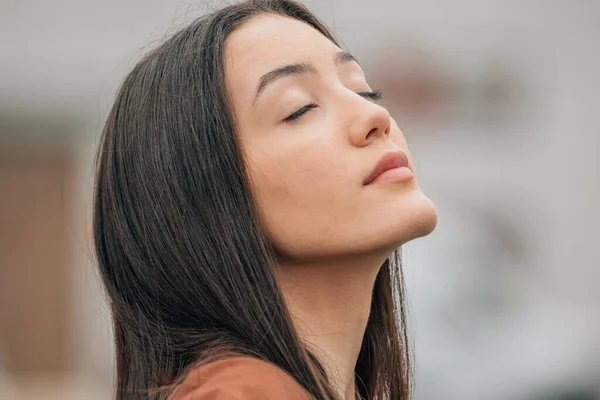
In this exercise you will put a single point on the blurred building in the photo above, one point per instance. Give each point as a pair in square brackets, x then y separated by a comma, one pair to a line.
[499, 102]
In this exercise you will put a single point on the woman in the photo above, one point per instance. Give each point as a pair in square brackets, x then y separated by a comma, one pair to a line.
[251, 197]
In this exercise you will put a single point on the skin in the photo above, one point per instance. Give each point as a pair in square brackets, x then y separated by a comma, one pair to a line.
[330, 231]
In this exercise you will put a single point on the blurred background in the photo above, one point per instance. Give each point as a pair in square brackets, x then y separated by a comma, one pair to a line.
[499, 102]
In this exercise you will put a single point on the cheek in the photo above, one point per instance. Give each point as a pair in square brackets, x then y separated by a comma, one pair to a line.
[303, 193]
[305, 175]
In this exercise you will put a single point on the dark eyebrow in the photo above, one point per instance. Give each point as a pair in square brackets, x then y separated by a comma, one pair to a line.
[296, 69]
[288, 70]
[344, 58]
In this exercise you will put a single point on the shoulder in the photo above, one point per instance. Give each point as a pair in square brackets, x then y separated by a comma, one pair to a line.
[239, 378]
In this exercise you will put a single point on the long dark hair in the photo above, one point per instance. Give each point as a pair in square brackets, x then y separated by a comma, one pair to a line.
[188, 269]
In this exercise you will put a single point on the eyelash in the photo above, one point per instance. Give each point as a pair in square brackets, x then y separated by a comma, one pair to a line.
[375, 95]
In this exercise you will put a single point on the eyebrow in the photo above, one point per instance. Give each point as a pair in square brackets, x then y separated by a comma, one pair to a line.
[296, 69]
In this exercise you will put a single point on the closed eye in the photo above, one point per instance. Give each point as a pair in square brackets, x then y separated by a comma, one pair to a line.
[374, 95]
[300, 112]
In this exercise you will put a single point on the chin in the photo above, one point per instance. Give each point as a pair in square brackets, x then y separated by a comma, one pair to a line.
[424, 217]
[416, 217]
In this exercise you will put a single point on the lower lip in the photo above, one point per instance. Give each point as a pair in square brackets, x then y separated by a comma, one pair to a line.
[394, 175]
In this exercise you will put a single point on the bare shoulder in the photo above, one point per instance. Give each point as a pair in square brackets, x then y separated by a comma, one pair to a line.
[239, 378]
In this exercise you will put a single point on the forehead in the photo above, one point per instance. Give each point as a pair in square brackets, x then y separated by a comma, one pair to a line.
[267, 42]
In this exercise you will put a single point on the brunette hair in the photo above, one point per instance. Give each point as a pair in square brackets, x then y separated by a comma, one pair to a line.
[188, 269]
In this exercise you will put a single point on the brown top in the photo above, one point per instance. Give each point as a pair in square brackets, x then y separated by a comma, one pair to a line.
[239, 378]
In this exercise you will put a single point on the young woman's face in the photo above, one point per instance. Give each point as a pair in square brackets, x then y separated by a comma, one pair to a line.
[311, 134]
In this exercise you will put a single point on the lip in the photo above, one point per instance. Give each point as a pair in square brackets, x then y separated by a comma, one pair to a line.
[390, 160]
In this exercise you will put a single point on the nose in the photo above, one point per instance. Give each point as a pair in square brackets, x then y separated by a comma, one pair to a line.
[369, 122]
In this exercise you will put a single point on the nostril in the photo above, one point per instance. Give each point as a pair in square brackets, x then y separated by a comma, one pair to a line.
[372, 132]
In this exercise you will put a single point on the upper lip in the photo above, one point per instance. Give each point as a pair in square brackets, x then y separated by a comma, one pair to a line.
[390, 160]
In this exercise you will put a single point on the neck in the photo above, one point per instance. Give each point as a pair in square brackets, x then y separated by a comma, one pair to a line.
[330, 304]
